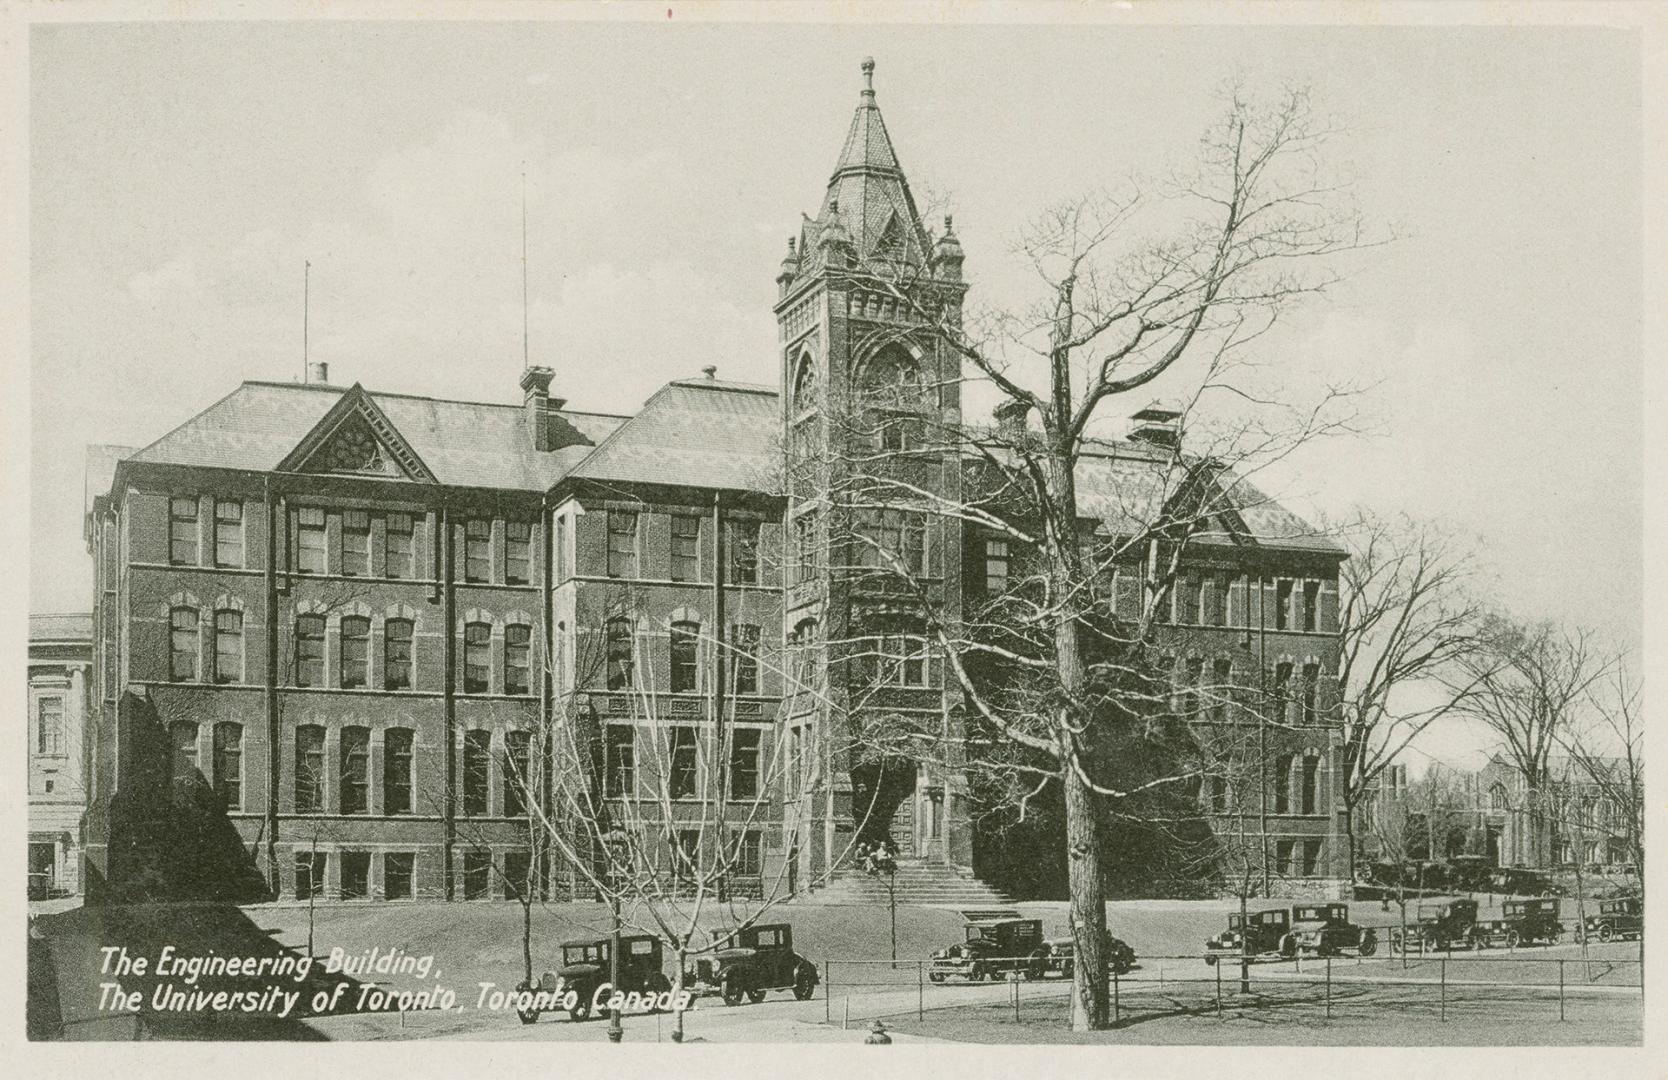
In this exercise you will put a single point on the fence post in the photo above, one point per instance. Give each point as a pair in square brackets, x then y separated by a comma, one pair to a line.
[1329, 987]
[1013, 977]
[1117, 1013]
[1444, 962]
[845, 1017]
[920, 989]
[1217, 967]
[828, 993]
[1560, 991]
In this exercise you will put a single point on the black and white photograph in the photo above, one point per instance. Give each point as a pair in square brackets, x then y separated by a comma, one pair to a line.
[983, 527]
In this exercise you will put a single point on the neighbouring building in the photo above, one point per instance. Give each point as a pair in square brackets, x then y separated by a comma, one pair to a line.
[60, 669]
[328, 618]
[1568, 820]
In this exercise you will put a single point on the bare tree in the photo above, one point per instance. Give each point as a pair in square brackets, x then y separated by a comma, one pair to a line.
[1405, 618]
[1161, 285]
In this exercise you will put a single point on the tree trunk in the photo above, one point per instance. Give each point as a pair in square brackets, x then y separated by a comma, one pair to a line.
[1090, 1005]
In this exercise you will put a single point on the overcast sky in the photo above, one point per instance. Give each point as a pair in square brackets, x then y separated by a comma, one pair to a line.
[181, 173]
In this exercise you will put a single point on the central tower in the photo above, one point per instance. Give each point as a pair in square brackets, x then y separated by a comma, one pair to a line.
[871, 406]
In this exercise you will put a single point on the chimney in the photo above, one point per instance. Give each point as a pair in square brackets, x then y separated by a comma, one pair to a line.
[1010, 421]
[318, 371]
[710, 371]
[535, 388]
[1157, 425]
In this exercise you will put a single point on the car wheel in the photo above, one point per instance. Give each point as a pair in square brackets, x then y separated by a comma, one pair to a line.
[657, 984]
[976, 973]
[1580, 935]
[1210, 960]
[1512, 939]
[805, 983]
[1069, 968]
[1036, 965]
[1288, 946]
[731, 990]
[936, 976]
[581, 1010]
[755, 996]
[1605, 933]
[1369, 943]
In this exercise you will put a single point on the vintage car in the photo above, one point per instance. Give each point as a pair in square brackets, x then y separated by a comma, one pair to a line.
[1519, 881]
[1062, 956]
[586, 965]
[751, 961]
[994, 944]
[1255, 934]
[1522, 922]
[1325, 930]
[1618, 917]
[1438, 925]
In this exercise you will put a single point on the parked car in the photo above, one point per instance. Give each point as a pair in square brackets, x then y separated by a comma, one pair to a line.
[1438, 925]
[1325, 930]
[1618, 917]
[751, 962]
[1523, 922]
[586, 965]
[1256, 933]
[994, 943]
[1518, 881]
[1062, 955]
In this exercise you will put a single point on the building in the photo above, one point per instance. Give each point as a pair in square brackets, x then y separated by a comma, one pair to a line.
[1569, 820]
[60, 666]
[331, 618]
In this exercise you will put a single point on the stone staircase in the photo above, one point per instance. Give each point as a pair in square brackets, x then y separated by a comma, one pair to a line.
[917, 882]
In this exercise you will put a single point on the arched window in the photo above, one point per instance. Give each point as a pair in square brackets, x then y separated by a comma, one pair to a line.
[309, 650]
[396, 654]
[356, 652]
[686, 667]
[1283, 784]
[617, 637]
[1497, 799]
[805, 655]
[517, 664]
[1310, 788]
[228, 764]
[396, 770]
[890, 400]
[356, 770]
[477, 658]
[804, 385]
[1311, 693]
[228, 646]
[182, 644]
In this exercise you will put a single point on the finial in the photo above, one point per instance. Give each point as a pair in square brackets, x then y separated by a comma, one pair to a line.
[790, 245]
[868, 76]
[710, 371]
[834, 207]
[949, 224]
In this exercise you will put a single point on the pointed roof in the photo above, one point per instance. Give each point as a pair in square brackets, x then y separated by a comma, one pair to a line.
[356, 436]
[868, 192]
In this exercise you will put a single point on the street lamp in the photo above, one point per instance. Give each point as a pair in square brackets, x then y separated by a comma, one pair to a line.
[615, 841]
[884, 862]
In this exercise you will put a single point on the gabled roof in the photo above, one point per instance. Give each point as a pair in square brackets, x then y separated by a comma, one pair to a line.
[460, 443]
[696, 433]
[356, 424]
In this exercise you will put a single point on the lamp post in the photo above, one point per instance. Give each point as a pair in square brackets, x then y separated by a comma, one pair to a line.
[885, 863]
[615, 841]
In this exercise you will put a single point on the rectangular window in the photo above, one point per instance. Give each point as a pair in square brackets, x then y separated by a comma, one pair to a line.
[686, 547]
[807, 564]
[619, 653]
[744, 763]
[1311, 605]
[1280, 693]
[477, 753]
[1311, 857]
[996, 567]
[518, 875]
[1284, 862]
[182, 531]
[1283, 784]
[228, 764]
[356, 652]
[1311, 692]
[748, 863]
[1283, 604]
[228, 533]
[622, 543]
[309, 769]
[561, 546]
[741, 539]
[518, 553]
[903, 661]
[356, 543]
[1216, 600]
[1216, 789]
[517, 664]
[182, 740]
[396, 771]
[477, 658]
[396, 654]
[744, 657]
[228, 646]
[681, 782]
[182, 644]
[1189, 599]
[1310, 789]
[477, 875]
[686, 854]
[477, 550]
[685, 650]
[310, 869]
[1221, 692]
[356, 875]
[517, 762]
[49, 725]
[356, 770]
[620, 769]
[399, 553]
[309, 540]
[396, 874]
[1193, 674]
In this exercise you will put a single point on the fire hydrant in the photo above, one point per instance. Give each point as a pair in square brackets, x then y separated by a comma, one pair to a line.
[877, 1036]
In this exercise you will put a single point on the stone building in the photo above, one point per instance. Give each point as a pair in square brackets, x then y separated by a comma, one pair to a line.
[330, 617]
[60, 663]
